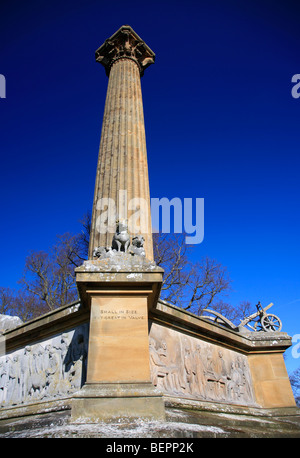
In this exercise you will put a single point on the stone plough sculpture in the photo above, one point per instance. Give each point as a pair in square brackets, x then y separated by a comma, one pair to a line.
[258, 321]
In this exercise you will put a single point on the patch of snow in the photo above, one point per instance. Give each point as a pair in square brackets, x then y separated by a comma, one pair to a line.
[239, 417]
[8, 322]
[135, 275]
[120, 429]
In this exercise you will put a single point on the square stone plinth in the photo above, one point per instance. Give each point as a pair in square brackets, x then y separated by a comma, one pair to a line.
[118, 342]
[119, 293]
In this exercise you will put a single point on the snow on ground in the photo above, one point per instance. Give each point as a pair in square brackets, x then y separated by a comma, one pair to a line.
[136, 429]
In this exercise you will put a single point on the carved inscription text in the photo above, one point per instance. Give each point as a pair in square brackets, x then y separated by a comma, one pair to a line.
[123, 314]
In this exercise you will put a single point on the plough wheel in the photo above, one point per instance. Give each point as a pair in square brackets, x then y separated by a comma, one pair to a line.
[271, 323]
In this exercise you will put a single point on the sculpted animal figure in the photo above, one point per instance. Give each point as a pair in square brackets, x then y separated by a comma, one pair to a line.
[100, 252]
[137, 246]
[121, 238]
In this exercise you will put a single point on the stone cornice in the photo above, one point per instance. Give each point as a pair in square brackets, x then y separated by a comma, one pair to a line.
[125, 43]
[251, 343]
[59, 320]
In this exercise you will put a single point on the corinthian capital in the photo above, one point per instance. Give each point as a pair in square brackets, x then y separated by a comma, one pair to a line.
[125, 43]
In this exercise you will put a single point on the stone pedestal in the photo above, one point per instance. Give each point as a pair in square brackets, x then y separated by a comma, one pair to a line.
[119, 293]
[270, 380]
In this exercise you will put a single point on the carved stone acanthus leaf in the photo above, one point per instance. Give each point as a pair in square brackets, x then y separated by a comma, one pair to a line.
[125, 43]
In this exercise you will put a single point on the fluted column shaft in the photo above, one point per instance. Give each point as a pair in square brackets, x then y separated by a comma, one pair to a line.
[122, 162]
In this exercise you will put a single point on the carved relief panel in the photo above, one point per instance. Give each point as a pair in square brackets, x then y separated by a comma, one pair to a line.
[182, 365]
[49, 369]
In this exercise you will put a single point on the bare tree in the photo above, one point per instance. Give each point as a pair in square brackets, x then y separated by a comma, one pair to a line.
[295, 382]
[84, 236]
[234, 313]
[20, 303]
[7, 296]
[171, 254]
[50, 276]
[49, 282]
[192, 286]
[208, 281]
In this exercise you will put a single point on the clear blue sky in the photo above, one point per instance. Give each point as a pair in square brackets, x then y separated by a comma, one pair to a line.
[221, 124]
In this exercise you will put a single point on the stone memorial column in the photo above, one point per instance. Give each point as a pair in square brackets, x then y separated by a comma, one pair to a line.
[122, 184]
[120, 282]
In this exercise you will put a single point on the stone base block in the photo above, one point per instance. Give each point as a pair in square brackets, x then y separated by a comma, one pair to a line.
[97, 402]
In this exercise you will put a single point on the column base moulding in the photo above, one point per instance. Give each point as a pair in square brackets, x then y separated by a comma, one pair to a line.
[108, 401]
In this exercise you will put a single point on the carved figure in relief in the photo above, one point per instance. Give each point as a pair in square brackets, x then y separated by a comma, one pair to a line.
[53, 372]
[248, 392]
[234, 384]
[158, 367]
[24, 370]
[3, 380]
[63, 350]
[13, 379]
[171, 382]
[199, 371]
[37, 378]
[239, 385]
[163, 374]
[38, 371]
[190, 371]
[27, 365]
[204, 371]
[219, 377]
[177, 383]
[210, 375]
[78, 359]
[162, 355]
